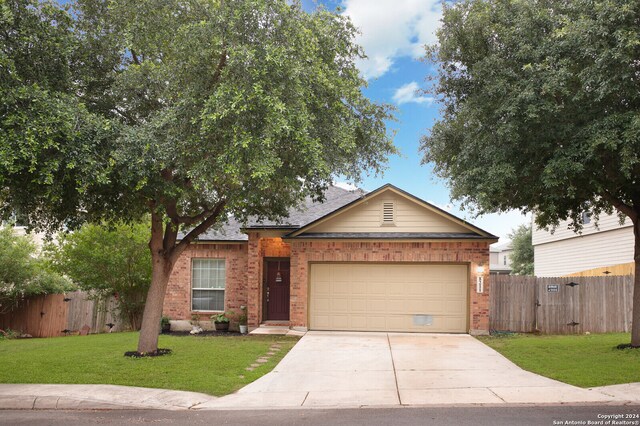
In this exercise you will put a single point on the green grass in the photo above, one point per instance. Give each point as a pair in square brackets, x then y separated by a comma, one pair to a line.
[585, 360]
[211, 365]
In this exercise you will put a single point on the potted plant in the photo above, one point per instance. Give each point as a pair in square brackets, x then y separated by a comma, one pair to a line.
[221, 321]
[195, 324]
[242, 320]
[165, 324]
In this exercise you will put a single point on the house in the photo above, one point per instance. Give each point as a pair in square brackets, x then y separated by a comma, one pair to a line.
[379, 261]
[500, 259]
[602, 248]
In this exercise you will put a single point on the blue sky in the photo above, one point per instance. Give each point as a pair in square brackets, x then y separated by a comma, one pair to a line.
[392, 34]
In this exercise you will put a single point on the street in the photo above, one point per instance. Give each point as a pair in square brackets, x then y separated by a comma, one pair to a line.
[529, 415]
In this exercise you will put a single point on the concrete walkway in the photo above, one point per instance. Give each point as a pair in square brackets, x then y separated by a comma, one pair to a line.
[333, 369]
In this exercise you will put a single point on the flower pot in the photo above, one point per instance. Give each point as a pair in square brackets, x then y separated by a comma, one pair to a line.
[243, 328]
[221, 326]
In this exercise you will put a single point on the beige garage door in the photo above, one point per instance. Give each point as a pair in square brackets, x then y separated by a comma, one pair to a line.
[384, 297]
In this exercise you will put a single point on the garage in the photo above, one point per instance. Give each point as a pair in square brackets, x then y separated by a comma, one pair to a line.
[389, 297]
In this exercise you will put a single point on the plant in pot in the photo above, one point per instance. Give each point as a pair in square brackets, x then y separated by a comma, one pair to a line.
[165, 324]
[221, 321]
[242, 319]
[195, 324]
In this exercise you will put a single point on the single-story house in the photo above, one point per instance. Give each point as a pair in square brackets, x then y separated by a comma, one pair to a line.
[378, 261]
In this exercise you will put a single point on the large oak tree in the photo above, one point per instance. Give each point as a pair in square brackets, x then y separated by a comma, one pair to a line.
[541, 110]
[187, 110]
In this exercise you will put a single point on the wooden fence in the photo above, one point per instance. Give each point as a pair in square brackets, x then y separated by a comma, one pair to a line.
[563, 305]
[58, 315]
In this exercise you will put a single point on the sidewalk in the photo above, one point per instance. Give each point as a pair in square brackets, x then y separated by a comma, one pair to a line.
[111, 397]
[96, 397]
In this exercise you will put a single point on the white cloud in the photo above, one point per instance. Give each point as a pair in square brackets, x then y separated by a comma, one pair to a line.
[392, 29]
[345, 185]
[409, 93]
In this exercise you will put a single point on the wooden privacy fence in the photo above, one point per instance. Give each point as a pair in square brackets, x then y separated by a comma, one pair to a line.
[561, 305]
[52, 315]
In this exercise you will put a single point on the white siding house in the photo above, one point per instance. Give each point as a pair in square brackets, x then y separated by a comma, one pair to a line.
[500, 258]
[564, 252]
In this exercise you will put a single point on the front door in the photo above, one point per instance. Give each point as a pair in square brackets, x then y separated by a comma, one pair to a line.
[277, 289]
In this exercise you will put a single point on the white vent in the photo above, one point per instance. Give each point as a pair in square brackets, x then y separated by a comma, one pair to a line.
[388, 211]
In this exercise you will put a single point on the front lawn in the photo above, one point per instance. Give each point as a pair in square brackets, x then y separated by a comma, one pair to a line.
[585, 360]
[212, 365]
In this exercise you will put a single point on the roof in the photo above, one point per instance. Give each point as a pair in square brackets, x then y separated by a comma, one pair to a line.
[392, 235]
[308, 212]
[301, 219]
[474, 229]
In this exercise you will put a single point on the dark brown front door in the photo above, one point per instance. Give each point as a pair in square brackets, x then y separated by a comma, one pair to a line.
[277, 289]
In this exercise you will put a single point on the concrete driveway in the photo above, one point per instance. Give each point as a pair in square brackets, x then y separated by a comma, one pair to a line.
[336, 369]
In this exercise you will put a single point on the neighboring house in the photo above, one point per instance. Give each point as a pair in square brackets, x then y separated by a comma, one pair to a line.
[379, 261]
[500, 259]
[607, 247]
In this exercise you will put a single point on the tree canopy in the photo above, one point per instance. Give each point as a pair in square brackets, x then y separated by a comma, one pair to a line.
[522, 251]
[23, 273]
[541, 109]
[187, 110]
[107, 261]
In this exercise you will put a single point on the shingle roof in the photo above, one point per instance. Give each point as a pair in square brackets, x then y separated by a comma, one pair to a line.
[392, 235]
[308, 212]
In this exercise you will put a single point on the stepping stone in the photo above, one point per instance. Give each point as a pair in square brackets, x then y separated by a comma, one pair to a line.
[262, 360]
[255, 365]
[249, 368]
[271, 353]
[275, 348]
[241, 376]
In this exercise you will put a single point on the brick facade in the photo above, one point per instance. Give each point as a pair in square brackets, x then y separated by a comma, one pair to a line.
[245, 261]
[472, 253]
[177, 302]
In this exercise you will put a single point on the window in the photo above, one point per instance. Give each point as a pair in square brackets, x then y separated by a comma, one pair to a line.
[207, 284]
[505, 261]
[388, 210]
[586, 218]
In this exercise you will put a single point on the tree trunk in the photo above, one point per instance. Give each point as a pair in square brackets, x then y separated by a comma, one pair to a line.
[150, 330]
[635, 324]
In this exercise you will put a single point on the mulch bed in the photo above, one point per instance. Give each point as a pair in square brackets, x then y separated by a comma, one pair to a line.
[627, 346]
[206, 333]
[158, 352]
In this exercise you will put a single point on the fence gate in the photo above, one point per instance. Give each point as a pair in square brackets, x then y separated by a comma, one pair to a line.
[558, 307]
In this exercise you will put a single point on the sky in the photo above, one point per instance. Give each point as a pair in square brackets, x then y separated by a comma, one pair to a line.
[393, 33]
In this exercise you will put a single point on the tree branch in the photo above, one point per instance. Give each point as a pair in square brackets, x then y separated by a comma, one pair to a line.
[202, 227]
[135, 57]
[620, 205]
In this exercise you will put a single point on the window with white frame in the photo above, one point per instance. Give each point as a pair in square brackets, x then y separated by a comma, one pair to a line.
[208, 281]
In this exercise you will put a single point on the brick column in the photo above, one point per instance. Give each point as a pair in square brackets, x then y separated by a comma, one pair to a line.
[479, 303]
[299, 286]
[254, 280]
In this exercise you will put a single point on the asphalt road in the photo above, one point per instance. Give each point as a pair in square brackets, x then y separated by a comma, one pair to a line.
[544, 415]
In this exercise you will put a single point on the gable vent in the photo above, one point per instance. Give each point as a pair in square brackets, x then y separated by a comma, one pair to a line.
[388, 212]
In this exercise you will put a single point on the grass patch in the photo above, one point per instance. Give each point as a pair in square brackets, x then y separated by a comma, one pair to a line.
[211, 365]
[585, 360]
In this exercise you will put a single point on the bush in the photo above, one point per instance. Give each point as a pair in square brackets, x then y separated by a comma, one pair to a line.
[108, 261]
[23, 273]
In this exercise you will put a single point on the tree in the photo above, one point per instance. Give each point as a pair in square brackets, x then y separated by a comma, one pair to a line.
[106, 261]
[22, 273]
[522, 254]
[185, 110]
[541, 107]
